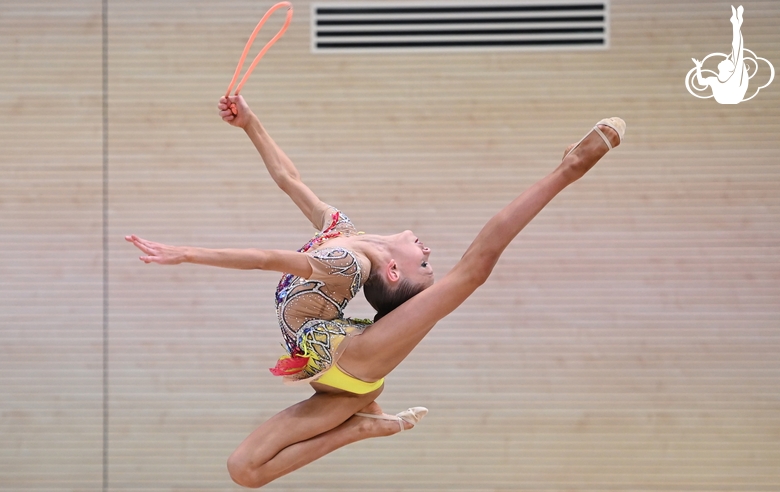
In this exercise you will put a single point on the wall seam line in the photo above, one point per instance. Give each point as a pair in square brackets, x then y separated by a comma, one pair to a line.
[104, 15]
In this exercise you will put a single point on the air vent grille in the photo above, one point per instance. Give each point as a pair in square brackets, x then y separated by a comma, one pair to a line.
[383, 26]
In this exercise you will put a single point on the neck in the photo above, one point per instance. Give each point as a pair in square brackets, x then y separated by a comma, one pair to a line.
[375, 248]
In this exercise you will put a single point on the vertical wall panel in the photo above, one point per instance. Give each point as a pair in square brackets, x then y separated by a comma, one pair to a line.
[626, 341]
[50, 246]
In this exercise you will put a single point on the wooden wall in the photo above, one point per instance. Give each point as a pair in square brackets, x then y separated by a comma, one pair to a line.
[628, 340]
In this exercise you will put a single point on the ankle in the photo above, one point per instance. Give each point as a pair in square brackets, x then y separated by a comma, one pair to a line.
[571, 169]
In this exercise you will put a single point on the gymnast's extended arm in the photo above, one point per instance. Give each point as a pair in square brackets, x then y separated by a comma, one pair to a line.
[242, 259]
[279, 166]
[704, 82]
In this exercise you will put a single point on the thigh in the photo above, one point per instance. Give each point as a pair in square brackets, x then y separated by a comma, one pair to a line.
[324, 411]
[371, 355]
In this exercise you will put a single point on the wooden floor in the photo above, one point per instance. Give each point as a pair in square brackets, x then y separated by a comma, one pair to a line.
[628, 340]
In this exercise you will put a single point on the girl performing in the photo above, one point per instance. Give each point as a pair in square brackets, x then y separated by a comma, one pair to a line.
[345, 360]
[731, 84]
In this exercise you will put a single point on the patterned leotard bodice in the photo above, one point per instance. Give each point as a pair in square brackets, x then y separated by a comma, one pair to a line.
[311, 310]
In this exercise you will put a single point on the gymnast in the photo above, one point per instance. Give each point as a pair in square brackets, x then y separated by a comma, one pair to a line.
[346, 360]
[731, 84]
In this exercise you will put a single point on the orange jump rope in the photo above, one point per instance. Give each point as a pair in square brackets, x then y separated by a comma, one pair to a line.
[262, 51]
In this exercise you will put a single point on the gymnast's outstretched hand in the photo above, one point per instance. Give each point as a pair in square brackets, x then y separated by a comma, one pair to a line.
[157, 252]
[234, 110]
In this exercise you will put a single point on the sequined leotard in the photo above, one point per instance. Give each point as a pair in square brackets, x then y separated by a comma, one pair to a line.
[311, 311]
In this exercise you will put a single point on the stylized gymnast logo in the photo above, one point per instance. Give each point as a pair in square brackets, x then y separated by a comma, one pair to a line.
[730, 84]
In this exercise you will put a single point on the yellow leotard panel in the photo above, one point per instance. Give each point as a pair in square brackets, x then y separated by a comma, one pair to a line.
[336, 378]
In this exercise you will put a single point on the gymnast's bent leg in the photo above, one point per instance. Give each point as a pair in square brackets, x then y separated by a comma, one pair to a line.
[303, 433]
[308, 431]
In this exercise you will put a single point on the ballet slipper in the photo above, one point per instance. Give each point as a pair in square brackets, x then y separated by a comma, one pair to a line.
[736, 15]
[615, 123]
[410, 416]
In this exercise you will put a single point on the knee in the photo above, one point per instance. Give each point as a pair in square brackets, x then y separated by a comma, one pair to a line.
[480, 275]
[243, 472]
[478, 267]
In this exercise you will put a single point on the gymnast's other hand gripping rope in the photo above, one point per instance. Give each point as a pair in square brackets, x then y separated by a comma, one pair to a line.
[262, 51]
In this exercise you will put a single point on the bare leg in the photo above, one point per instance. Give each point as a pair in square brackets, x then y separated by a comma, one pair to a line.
[736, 39]
[372, 355]
[736, 35]
[303, 433]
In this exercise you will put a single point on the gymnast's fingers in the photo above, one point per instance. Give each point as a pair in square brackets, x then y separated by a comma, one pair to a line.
[133, 239]
[148, 247]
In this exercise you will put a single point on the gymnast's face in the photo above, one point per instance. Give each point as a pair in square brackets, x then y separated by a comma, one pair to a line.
[411, 259]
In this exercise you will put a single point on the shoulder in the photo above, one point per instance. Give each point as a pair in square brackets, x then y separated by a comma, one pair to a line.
[287, 262]
[323, 216]
[336, 258]
[332, 264]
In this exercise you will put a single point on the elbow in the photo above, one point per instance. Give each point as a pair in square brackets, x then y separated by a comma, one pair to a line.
[284, 183]
[261, 260]
[287, 182]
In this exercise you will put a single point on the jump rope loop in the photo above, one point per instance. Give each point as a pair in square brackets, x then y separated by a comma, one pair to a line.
[262, 51]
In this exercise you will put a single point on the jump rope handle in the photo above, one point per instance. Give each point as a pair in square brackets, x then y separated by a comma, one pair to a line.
[262, 51]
